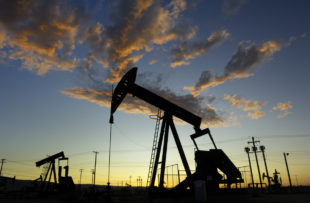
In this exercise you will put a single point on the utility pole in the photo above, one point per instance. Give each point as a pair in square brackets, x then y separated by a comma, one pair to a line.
[81, 171]
[288, 172]
[254, 148]
[2, 162]
[139, 181]
[95, 167]
[92, 176]
[262, 148]
[247, 150]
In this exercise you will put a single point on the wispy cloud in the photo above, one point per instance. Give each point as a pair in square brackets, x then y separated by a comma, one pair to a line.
[135, 27]
[211, 98]
[284, 107]
[240, 65]
[153, 62]
[103, 98]
[252, 107]
[2, 38]
[137, 106]
[190, 50]
[41, 34]
[232, 7]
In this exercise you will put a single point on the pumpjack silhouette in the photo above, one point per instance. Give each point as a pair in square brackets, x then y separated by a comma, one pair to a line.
[63, 183]
[207, 162]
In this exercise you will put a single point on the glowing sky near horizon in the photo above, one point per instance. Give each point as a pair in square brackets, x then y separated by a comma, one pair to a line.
[243, 66]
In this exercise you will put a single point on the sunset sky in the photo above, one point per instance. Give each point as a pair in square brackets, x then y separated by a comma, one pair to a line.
[241, 65]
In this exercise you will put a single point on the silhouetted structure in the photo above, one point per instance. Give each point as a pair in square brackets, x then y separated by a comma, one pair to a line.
[247, 150]
[2, 162]
[275, 181]
[254, 148]
[207, 161]
[262, 149]
[288, 171]
[4, 181]
[95, 167]
[154, 147]
[64, 182]
[255, 151]
[81, 171]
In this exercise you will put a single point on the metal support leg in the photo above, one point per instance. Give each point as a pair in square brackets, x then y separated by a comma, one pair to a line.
[211, 138]
[163, 160]
[46, 175]
[180, 149]
[49, 179]
[54, 170]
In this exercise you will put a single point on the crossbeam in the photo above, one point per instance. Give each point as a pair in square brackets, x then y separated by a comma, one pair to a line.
[50, 158]
[127, 85]
[165, 105]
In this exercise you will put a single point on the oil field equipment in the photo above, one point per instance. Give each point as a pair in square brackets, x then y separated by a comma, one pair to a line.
[207, 162]
[276, 181]
[64, 182]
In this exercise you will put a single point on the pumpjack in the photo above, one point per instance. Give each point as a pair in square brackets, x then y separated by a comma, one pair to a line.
[65, 182]
[276, 180]
[207, 162]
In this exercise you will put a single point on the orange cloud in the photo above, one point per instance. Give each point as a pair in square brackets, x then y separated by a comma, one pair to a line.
[134, 32]
[246, 105]
[207, 80]
[40, 34]
[240, 65]
[256, 114]
[153, 62]
[284, 107]
[134, 105]
[179, 63]
[2, 38]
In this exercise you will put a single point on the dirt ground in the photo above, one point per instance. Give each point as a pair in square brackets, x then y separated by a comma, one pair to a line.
[139, 198]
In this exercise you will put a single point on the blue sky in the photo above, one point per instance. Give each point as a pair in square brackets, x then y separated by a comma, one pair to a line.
[240, 65]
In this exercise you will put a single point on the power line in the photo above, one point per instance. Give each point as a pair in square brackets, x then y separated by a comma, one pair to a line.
[286, 136]
[130, 139]
[20, 162]
[16, 174]
[79, 153]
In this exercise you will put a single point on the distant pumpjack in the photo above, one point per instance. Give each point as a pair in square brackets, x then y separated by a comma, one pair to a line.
[64, 182]
[207, 161]
[276, 181]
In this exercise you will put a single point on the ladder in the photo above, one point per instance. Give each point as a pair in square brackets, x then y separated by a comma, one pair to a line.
[154, 148]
